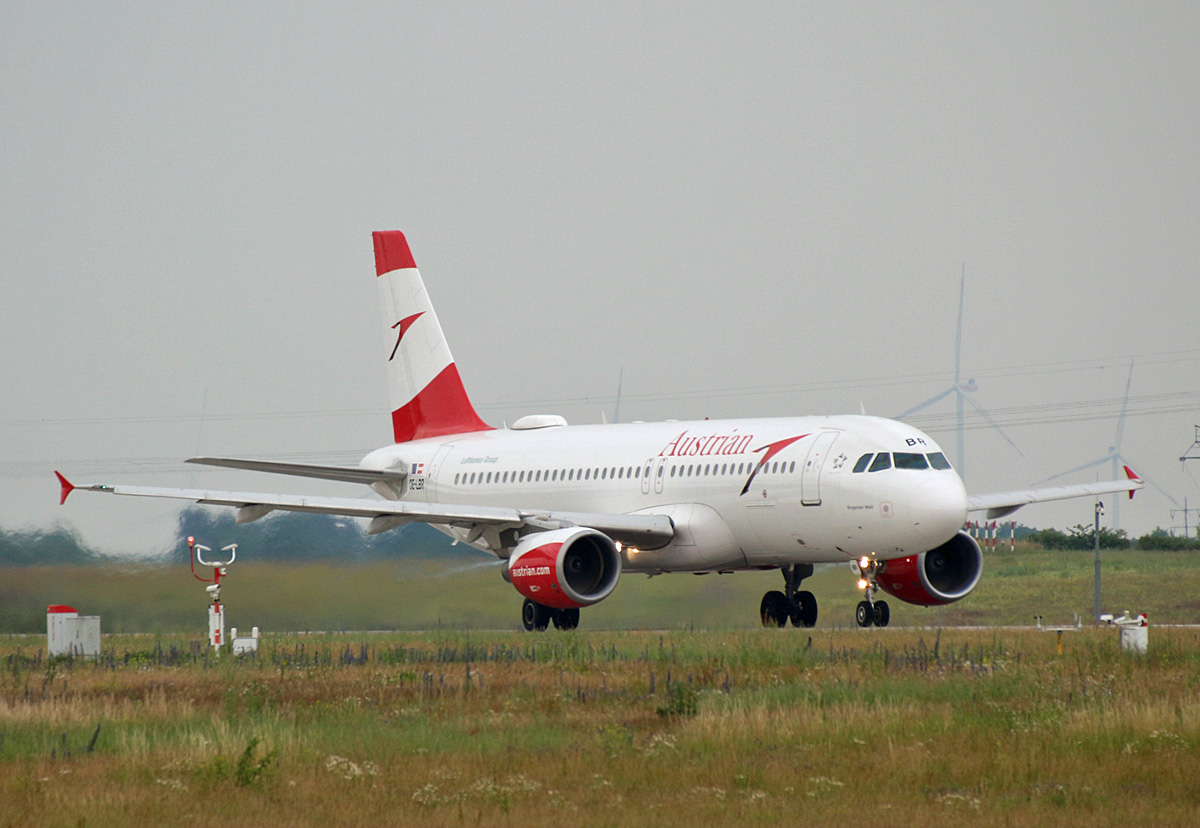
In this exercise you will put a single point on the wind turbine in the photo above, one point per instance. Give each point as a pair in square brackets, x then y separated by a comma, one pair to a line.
[960, 390]
[617, 407]
[617, 410]
[1115, 457]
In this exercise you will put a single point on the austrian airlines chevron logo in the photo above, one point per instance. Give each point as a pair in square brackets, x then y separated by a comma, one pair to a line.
[401, 329]
[769, 451]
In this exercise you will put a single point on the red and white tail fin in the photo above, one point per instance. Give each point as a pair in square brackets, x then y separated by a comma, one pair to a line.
[427, 394]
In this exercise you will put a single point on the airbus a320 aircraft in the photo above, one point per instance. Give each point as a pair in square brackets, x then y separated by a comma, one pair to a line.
[571, 508]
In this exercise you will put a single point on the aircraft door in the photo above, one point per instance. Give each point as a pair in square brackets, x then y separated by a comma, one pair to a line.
[433, 470]
[810, 475]
[656, 468]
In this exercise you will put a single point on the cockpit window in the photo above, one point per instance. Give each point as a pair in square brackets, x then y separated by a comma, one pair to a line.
[882, 461]
[906, 460]
[861, 465]
[939, 461]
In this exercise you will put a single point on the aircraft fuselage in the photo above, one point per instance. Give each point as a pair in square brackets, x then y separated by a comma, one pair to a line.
[741, 493]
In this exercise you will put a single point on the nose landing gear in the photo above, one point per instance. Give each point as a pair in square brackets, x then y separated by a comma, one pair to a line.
[869, 611]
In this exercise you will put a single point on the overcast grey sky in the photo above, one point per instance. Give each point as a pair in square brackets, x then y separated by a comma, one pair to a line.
[753, 209]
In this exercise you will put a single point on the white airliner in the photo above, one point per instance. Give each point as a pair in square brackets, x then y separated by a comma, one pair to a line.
[571, 508]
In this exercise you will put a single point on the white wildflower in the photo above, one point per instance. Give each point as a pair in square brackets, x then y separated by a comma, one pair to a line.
[343, 767]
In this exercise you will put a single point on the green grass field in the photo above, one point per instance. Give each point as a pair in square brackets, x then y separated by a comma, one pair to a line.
[467, 593]
[742, 727]
[711, 718]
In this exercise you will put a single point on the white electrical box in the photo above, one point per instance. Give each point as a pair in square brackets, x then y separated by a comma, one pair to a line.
[243, 646]
[1133, 628]
[1134, 639]
[67, 632]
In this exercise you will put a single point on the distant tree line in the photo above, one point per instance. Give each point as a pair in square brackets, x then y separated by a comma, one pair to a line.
[284, 537]
[1162, 539]
[43, 547]
[297, 537]
[1082, 537]
[1079, 537]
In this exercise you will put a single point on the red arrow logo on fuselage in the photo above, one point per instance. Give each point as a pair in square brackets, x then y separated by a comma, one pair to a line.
[769, 451]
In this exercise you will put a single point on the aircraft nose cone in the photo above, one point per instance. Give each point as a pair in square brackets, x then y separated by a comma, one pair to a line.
[939, 507]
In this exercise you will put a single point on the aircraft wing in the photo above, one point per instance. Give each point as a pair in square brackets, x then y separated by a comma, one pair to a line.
[346, 474]
[1002, 504]
[486, 522]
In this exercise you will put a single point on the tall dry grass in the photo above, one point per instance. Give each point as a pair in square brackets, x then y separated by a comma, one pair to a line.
[740, 727]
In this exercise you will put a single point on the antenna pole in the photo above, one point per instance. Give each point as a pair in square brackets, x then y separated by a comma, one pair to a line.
[1187, 528]
[1193, 453]
[1096, 597]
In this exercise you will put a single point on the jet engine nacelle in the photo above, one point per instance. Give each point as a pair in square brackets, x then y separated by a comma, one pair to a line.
[939, 576]
[565, 568]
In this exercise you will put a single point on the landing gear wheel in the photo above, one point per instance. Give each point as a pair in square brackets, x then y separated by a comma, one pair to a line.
[567, 619]
[774, 609]
[534, 616]
[864, 614]
[804, 610]
[882, 614]
[810, 609]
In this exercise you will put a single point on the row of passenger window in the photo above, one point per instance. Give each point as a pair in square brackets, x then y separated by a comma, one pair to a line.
[708, 469]
[901, 460]
[547, 475]
[616, 473]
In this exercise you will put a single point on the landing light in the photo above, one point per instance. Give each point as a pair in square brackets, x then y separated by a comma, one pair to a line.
[862, 583]
[864, 562]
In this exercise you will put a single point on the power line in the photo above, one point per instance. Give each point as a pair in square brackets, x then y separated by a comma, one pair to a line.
[1070, 412]
[1037, 369]
[1193, 452]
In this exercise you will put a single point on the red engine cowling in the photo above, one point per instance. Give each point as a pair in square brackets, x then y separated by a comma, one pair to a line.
[939, 576]
[565, 568]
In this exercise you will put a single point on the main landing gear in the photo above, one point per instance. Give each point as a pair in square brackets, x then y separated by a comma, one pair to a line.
[869, 611]
[537, 617]
[795, 605]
